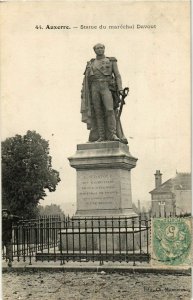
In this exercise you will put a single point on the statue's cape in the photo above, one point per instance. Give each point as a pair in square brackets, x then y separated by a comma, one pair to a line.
[86, 101]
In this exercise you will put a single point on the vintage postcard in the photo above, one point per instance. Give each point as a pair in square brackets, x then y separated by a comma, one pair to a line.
[96, 149]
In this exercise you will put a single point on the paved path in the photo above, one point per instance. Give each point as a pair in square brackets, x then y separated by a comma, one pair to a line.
[94, 286]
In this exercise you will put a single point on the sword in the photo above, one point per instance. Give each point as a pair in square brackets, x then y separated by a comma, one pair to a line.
[123, 96]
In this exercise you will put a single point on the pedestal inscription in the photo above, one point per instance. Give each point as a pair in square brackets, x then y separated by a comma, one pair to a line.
[98, 189]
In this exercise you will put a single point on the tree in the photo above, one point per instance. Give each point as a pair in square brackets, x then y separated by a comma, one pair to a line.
[26, 173]
[48, 210]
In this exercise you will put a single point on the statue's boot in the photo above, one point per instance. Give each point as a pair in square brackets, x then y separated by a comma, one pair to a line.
[124, 140]
[111, 124]
[101, 129]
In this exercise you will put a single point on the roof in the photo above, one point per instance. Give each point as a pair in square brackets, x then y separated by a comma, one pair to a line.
[182, 181]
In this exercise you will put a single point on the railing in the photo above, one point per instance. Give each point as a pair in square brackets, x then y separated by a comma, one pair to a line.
[166, 214]
[31, 236]
[82, 239]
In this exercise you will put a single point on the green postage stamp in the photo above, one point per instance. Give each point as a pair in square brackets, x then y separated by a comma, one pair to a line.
[171, 241]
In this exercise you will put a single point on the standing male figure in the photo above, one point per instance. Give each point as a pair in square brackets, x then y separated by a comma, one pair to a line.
[7, 222]
[102, 87]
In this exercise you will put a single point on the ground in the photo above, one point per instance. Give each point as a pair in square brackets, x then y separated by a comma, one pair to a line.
[94, 286]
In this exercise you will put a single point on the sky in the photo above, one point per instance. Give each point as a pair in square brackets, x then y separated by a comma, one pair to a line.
[42, 72]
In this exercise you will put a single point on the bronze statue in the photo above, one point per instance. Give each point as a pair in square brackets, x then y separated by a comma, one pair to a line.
[101, 92]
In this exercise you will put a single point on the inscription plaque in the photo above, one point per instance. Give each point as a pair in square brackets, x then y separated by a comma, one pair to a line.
[98, 189]
[103, 190]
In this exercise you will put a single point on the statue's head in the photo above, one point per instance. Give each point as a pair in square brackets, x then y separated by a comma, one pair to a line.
[99, 49]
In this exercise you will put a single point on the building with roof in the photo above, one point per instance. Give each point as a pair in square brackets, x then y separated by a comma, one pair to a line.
[173, 197]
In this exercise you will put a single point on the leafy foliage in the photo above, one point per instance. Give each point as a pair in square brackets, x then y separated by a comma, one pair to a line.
[50, 210]
[26, 173]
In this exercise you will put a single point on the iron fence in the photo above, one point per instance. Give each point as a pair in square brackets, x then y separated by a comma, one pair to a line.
[82, 239]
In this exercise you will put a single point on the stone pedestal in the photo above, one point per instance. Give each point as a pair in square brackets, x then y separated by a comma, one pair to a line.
[104, 220]
[103, 179]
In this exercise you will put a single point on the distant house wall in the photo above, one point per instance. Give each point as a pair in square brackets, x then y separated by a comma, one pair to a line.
[162, 205]
[183, 201]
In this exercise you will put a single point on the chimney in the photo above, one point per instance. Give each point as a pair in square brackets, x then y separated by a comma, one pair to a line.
[158, 178]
